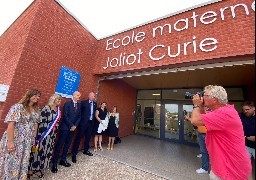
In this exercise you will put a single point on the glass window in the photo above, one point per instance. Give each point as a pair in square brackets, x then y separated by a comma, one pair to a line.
[235, 94]
[148, 117]
[177, 94]
[149, 94]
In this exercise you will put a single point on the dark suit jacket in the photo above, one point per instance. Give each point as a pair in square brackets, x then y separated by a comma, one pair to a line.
[71, 117]
[86, 112]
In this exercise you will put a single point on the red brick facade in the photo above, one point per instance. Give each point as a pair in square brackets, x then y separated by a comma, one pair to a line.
[45, 37]
[235, 36]
[50, 39]
[117, 93]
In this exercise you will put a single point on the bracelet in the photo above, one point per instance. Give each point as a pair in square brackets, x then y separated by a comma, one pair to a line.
[196, 106]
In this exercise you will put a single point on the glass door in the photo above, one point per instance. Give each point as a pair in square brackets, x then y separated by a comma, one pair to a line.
[176, 127]
[190, 133]
[171, 115]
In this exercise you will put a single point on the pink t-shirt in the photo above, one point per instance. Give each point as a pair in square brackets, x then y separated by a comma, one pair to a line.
[225, 143]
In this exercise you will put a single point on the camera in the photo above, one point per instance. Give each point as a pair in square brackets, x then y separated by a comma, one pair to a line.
[189, 95]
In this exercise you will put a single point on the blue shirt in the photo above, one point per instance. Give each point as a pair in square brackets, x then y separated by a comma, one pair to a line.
[91, 105]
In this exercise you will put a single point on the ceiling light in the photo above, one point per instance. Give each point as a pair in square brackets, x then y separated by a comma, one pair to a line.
[156, 94]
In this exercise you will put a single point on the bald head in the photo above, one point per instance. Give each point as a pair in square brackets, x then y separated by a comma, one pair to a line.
[76, 96]
[91, 96]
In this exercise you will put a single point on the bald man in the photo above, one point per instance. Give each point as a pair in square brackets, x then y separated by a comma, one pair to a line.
[70, 120]
[85, 126]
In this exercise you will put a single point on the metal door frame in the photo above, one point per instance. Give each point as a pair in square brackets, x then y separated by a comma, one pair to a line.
[180, 119]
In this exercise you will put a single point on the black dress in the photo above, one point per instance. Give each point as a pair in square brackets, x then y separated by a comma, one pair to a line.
[102, 115]
[112, 130]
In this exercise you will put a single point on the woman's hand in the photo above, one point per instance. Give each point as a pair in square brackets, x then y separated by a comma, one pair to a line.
[187, 117]
[33, 141]
[10, 146]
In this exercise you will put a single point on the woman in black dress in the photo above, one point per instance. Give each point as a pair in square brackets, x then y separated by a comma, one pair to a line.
[41, 159]
[112, 130]
[100, 115]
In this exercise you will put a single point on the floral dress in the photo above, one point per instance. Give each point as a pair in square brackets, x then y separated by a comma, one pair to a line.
[14, 165]
[41, 159]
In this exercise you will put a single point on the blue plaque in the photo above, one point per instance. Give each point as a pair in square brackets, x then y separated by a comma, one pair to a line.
[68, 82]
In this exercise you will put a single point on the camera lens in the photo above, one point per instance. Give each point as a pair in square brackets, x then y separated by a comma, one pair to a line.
[188, 95]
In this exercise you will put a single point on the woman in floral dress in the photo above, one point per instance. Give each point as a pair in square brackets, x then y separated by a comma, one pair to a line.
[15, 145]
[49, 114]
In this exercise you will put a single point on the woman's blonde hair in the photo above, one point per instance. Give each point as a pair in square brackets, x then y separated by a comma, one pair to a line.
[26, 98]
[53, 98]
[217, 92]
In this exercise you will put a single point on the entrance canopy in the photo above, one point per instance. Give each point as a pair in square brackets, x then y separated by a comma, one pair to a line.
[239, 73]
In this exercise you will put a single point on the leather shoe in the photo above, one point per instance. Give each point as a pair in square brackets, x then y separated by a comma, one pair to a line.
[74, 159]
[54, 168]
[88, 153]
[64, 163]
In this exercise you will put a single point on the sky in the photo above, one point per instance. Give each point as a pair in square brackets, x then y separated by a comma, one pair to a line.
[104, 18]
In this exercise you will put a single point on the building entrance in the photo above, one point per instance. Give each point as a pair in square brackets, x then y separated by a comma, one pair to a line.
[160, 113]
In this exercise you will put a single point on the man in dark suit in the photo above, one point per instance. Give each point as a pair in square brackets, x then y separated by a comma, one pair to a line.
[85, 126]
[71, 119]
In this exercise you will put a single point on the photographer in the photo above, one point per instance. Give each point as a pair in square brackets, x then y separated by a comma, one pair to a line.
[225, 138]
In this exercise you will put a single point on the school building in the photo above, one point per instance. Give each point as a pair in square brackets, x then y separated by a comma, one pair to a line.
[144, 71]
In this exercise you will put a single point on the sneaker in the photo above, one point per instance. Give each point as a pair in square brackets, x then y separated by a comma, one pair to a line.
[201, 171]
[199, 155]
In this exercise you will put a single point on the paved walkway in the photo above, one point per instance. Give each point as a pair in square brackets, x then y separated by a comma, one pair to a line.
[165, 159]
[136, 158]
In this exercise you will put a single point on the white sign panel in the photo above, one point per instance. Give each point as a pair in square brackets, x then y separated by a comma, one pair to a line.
[3, 92]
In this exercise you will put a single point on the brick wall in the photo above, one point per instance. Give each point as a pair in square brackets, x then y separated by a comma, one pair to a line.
[11, 47]
[54, 39]
[117, 93]
[235, 37]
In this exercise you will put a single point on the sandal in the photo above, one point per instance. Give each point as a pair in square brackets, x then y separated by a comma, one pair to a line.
[40, 175]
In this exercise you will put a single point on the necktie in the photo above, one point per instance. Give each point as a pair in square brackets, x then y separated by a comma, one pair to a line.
[75, 106]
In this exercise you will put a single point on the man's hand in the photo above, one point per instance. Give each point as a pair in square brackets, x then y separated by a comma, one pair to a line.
[73, 128]
[197, 100]
[251, 138]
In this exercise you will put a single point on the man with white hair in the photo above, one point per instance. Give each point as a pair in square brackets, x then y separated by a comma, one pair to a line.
[225, 137]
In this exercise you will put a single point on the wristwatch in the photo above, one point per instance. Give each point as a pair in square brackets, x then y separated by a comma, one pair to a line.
[196, 106]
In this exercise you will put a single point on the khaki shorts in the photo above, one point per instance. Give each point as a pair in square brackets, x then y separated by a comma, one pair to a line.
[251, 151]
